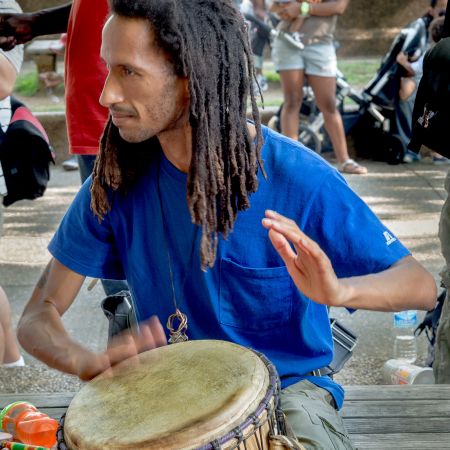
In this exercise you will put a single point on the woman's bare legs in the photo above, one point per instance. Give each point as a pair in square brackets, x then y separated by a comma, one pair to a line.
[9, 350]
[292, 86]
[324, 89]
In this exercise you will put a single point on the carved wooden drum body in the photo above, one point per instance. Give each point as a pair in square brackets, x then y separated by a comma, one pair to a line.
[191, 395]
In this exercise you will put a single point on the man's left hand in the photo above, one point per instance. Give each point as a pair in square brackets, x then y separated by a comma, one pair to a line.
[309, 267]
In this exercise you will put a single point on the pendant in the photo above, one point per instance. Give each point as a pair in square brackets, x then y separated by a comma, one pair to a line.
[177, 334]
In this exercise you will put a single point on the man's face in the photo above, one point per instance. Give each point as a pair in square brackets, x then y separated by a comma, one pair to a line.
[144, 96]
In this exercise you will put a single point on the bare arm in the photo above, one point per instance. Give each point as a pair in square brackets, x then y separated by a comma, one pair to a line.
[259, 8]
[20, 28]
[402, 59]
[405, 285]
[42, 333]
[8, 77]
[336, 8]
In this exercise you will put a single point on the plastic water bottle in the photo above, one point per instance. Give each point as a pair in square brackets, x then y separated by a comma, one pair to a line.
[405, 345]
[28, 425]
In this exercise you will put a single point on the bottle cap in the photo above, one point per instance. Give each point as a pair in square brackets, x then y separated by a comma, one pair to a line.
[5, 437]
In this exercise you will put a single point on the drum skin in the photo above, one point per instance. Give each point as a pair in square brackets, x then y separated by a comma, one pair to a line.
[180, 396]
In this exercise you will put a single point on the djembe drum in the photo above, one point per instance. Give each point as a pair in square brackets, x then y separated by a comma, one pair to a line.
[191, 395]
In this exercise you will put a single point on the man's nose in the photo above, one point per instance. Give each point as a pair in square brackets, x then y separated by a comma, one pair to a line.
[111, 93]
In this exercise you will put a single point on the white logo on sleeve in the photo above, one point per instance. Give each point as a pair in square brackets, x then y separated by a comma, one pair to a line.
[389, 238]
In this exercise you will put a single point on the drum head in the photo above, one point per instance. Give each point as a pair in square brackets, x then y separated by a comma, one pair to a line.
[180, 396]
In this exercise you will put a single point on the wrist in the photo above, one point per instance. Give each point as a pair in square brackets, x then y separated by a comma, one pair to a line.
[304, 9]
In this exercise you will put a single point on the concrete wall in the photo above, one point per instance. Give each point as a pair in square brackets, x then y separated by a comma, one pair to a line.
[35, 5]
[368, 26]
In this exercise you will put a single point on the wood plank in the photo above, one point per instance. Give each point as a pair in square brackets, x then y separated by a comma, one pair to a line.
[56, 413]
[401, 441]
[40, 400]
[379, 425]
[396, 408]
[384, 392]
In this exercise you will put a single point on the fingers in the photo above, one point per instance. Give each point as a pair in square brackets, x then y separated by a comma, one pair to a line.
[147, 336]
[7, 43]
[126, 346]
[289, 229]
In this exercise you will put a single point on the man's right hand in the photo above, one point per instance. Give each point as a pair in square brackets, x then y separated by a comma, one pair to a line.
[16, 29]
[124, 346]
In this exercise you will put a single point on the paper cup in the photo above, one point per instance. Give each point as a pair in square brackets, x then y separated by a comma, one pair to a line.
[396, 371]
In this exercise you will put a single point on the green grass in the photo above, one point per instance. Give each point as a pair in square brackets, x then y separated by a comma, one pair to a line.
[27, 84]
[357, 72]
[54, 107]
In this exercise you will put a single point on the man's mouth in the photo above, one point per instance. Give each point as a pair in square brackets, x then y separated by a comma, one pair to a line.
[119, 119]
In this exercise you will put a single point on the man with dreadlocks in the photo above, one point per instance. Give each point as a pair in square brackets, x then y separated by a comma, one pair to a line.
[182, 204]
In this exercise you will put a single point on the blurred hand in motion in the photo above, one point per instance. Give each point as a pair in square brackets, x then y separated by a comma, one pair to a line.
[128, 344]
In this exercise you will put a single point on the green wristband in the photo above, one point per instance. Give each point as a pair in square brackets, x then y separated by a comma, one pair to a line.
[304, 9]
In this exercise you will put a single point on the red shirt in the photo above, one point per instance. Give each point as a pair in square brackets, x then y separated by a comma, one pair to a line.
[85, 74]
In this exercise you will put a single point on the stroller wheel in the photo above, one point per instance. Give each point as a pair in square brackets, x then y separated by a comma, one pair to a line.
[395, 150]
[309, 138]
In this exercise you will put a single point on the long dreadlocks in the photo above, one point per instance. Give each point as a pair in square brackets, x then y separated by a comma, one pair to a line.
[207, 41]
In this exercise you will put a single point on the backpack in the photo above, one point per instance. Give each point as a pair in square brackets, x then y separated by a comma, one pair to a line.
[429, 325]
[431, 116]
[25, 155]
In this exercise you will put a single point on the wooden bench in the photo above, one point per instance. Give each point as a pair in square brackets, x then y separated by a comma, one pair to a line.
[44, 53]
[377, 417]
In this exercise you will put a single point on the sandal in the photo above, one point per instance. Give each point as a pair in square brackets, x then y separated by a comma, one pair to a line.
[351, 166]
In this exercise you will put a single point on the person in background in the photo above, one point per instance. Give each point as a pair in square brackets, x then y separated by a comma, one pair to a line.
[85, 74]
[10, 64]
[316, 63]
[293, 27]
[431, 118]
[436, 8]
[182, 203]
[255, 13]
[409, 83]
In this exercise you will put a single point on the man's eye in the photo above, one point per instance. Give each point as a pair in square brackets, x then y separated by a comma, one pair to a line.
[127, 71]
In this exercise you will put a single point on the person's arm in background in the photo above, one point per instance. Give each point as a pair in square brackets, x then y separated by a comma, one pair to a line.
[259, 8]
[20, 28]
[402, 59]
[8, 75]
[292, 10]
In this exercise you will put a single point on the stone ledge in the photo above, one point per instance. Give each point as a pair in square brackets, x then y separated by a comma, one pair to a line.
[54, 124]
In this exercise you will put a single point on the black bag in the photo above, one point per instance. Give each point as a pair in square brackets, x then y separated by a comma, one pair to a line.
[429, 325]
[25, 155]
[431, 116]
[119, 311]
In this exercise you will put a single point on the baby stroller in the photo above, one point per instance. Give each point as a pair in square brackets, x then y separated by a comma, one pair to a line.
[377, 121]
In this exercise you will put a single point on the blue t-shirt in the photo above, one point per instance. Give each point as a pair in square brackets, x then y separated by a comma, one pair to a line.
[248, 296]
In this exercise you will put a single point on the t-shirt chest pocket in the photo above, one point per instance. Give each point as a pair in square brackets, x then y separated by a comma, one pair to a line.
[254, 299]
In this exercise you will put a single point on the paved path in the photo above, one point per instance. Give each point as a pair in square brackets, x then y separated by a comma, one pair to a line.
[407, 197]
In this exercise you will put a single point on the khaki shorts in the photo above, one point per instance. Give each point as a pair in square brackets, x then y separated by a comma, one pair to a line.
[314, 59]
[313, 418]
